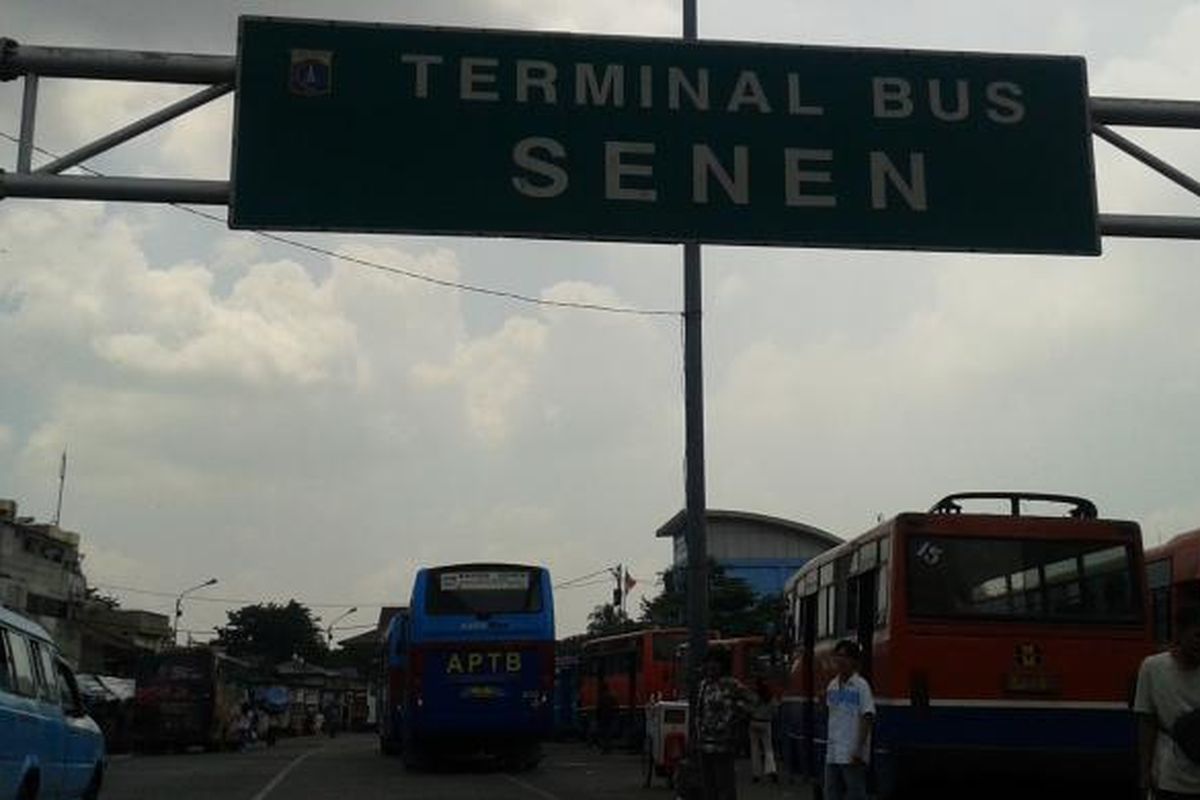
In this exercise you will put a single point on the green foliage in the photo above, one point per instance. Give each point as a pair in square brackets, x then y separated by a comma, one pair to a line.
[94, 595]
[733, 607]
[273, 632]
[607, 619]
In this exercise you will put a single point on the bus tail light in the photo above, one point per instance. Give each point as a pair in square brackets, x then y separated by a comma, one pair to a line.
[416, 672]
[918, 690]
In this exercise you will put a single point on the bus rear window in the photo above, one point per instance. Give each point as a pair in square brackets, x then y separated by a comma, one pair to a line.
[1028, 579]
[175, 669]
[484, 592]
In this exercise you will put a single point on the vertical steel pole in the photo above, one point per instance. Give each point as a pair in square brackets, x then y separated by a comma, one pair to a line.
[693, 382]
[28, 116]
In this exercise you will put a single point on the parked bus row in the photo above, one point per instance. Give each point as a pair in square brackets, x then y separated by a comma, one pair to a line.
[998, 641]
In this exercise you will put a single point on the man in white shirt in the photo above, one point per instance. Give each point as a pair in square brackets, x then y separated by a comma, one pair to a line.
[851, 708]
[1168, 687]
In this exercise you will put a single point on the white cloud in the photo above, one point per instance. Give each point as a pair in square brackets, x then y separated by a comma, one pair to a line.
[308, 427]
[494, 373]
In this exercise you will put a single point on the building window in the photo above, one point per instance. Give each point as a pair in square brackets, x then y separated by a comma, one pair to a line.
[45, 606]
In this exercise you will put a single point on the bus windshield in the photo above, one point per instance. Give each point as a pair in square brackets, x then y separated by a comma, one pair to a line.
[484, 591]
[1024, 579]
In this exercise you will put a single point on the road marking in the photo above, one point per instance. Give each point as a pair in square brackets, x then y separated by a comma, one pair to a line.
[529, 787]
[283, 773]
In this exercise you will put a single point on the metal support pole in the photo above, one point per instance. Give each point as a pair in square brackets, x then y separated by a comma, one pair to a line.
[693, 380]
[28, 123]
[1149, 159]
[118, 65]
[135, 128]
[1145, 113]
[136, 190]
[1149, 226]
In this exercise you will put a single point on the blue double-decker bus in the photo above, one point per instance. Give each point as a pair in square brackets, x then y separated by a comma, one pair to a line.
[471, 665]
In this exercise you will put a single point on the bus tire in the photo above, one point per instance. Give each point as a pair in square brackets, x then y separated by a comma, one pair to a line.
[93, 788]
[29, 787]
[416, 759]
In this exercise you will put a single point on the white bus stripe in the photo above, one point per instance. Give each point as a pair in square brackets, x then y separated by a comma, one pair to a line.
[952, 702]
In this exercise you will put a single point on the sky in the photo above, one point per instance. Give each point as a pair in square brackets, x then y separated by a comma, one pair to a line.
[300, 426]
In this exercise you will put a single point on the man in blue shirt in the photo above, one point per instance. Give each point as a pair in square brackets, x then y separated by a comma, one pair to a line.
[851, 708]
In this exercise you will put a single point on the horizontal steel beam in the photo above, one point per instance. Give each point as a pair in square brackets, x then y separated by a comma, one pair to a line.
[120, 65]
[135, 129]
[135, 190]
[1149, 226]
[1145, 112]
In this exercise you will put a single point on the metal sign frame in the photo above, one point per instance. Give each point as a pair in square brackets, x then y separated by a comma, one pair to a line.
[31, 63]
[219, 72]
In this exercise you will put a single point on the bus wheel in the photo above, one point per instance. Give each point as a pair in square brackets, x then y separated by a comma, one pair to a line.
[523, 758]
[532, 757]
[415, 758]
[93, 789]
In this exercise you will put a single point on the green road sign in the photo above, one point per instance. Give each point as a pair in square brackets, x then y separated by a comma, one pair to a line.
[351, 127]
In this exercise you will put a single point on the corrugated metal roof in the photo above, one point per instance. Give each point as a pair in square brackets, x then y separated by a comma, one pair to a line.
[674, 526]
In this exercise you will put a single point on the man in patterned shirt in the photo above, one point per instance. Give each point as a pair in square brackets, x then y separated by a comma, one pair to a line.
[722, 703]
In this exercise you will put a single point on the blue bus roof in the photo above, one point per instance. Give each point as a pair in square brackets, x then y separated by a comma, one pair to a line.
[448, 627]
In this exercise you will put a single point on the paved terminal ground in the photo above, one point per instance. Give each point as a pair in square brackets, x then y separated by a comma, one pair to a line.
[350, 767]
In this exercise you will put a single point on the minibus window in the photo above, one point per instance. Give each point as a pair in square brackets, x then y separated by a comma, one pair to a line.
[22, 665]
[6, 678]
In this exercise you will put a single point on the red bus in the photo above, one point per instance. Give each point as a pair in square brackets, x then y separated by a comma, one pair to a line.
[639, 667]
[750, 658]
[1173, 576]
[999, 643]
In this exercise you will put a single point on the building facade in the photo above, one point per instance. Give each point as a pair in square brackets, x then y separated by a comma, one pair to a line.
[41, 575]
[762, 550]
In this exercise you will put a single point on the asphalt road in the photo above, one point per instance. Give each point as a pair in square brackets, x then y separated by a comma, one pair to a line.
[350, 767]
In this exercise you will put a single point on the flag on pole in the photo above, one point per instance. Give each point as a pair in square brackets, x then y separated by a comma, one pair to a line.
[62, 469]
[629, 582]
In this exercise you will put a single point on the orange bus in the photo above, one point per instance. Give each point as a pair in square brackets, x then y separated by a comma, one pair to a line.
[639, 667]
[1173, 577]
[998, 644]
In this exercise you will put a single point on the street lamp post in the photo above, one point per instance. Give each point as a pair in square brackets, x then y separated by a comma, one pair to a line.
[179, 606]
[329, 630]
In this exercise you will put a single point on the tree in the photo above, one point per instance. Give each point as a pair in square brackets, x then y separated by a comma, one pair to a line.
[733, 607]
[608, 619]
[273, 632]
[94, 595]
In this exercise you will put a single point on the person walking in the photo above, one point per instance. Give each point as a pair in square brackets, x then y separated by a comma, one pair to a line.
[762, 743]
[722, 703]
[1167, 705]
[851, 712]
[333, 717]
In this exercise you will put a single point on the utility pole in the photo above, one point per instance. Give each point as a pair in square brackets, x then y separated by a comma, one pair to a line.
[339, 618]
[618, 595]
[179, 606]
[693, 381]
[62, 479]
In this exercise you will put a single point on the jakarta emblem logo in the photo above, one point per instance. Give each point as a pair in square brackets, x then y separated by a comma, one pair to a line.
[311, 74]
